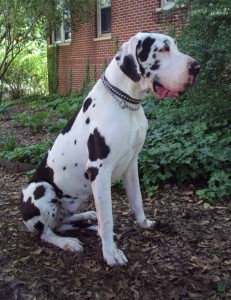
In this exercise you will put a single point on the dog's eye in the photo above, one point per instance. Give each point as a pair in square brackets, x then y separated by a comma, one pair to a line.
[165, 49]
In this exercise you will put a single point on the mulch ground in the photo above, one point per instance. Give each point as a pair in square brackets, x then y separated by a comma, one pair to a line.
[186, 256]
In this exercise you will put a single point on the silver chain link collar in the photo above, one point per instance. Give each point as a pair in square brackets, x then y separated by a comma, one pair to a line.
[120, 96]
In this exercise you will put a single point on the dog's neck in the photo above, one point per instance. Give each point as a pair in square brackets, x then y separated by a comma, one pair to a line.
[136, 90]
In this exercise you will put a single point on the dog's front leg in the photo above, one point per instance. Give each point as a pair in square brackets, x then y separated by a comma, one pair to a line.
[132, 186]
[101, 188]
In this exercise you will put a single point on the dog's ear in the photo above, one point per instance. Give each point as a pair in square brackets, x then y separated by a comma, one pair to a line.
[127, 59]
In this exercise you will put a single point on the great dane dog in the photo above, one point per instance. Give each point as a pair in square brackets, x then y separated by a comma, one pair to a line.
[101, 144]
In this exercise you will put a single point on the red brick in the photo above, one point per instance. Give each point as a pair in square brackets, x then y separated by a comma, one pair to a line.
[127, 20]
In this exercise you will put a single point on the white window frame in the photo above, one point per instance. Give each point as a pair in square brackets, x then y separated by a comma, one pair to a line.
[100, 35]
[166, 5]
[62, 40]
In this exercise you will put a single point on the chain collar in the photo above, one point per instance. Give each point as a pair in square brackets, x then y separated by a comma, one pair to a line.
[122, 98]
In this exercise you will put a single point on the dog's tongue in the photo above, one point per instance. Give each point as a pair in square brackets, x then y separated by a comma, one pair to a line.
[161, 93]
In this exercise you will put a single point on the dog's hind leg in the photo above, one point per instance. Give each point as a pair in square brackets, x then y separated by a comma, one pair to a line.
[76, 221]
[40, 212]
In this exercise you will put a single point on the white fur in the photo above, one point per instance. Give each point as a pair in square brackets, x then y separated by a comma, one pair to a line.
[124, 132]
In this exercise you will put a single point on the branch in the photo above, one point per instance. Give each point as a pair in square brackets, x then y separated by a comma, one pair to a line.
[13, 47]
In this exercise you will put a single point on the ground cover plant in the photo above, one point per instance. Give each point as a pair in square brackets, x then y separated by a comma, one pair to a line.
[183, 144]
[39, 115]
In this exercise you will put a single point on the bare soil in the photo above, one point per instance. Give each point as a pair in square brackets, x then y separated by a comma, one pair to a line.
[186, 256]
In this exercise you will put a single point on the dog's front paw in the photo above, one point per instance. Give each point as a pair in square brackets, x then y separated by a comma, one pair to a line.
[70, 244]
[146, 223]
[73, 245]
[114, 257]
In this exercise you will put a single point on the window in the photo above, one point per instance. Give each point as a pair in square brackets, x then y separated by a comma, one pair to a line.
[104, 18]
[62, 33]
[166, 4]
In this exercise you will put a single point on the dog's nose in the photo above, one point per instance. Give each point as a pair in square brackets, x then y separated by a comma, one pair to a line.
[194, 68]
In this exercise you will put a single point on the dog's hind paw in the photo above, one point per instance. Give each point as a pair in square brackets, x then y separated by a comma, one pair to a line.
[115, 257]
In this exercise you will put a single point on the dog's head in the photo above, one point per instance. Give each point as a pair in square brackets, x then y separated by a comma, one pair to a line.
[155, 59]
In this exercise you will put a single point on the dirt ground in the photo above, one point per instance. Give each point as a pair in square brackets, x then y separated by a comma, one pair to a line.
[186, 256]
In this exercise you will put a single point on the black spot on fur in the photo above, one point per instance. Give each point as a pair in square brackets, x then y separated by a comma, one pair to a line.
[54, 201]
[39, 192]
[156, 65]
[76, 165]
[97, 147]
[75, 141]
[148, 74]
[155, 49]
[64, 168]
[92, 173]
[93, 105]
[87, 121]
[45, 173]
[86, 104]
[142, 70]
[146, 48]
[28, 209]
[129, 68]
[67, 196]
[69, 125]
[39, 226]
[117, 58]
[86, 175]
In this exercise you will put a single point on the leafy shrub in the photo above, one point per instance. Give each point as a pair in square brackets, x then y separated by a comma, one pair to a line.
[10, 143]
[207, 38]
[58, 125]
[27, 73]
[46, 111]
[36, 122]
[65, 110]
[30, 154]
[182, 145]
[4, 108]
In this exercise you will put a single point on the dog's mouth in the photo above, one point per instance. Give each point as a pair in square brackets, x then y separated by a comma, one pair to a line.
[160, 92]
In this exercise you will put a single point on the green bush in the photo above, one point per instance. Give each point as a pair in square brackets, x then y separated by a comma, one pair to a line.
[9, 143]
[183, 145]
[50, 113]
[207, 38]
[36, 122]
[27, 73]
[30, 154]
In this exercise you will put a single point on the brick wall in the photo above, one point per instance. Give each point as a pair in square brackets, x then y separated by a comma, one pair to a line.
[126, 20]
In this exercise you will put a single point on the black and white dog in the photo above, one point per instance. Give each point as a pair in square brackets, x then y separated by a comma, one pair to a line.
[101, 144]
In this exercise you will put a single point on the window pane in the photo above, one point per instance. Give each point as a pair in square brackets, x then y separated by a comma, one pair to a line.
[105, 3]
[67, 24]
[57, 35]
[105, 20]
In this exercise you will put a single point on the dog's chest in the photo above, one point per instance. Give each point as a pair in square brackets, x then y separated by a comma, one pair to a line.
[130, 142]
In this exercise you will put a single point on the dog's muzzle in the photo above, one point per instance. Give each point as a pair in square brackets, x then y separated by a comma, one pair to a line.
[161, 92]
